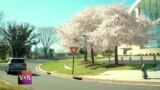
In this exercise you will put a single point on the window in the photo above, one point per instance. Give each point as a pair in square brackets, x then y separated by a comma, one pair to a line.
[17, 61]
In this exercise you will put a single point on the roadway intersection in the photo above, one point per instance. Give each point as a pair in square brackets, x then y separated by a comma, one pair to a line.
[47, 82]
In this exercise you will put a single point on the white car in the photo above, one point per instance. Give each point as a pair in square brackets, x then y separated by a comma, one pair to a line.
[15, 65]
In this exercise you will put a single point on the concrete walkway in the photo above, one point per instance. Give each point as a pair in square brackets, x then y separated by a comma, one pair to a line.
[129, 75]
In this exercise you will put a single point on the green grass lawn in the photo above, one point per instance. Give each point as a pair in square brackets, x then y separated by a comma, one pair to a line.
[4, 86]
[57, 65]
[80, 69]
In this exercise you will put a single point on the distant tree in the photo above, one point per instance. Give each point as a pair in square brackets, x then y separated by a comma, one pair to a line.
[51, 52]
[47, 37]
[4, 49]
[20, 38]
[35, 52]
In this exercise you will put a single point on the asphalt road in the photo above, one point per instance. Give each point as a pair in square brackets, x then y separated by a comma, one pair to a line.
[47, 82]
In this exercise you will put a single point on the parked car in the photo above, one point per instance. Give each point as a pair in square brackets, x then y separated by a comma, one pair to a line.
[15, 65]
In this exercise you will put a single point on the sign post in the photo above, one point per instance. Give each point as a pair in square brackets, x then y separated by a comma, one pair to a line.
[73, 65]
[73, 51]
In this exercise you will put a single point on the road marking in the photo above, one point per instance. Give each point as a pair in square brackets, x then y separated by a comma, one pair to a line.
[5, 81]
[67, 67]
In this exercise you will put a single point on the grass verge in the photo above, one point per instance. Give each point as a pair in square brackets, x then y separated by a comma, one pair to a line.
[81, 69]
[4, 86]
[57, 65]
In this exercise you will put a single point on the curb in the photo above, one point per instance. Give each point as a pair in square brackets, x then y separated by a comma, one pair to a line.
[148, 83]
[92, 79]
[53, 73]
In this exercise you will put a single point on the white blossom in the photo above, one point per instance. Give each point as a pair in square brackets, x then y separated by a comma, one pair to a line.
[104, 27]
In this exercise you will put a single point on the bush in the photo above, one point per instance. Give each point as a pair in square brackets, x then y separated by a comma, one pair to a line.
[150, 54]
[153, 54]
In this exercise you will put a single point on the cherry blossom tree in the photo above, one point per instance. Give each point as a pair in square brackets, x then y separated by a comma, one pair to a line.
[119, 27]
[104, 27]
[75, 32]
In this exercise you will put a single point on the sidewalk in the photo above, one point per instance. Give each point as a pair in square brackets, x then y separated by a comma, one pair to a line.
[127, 76]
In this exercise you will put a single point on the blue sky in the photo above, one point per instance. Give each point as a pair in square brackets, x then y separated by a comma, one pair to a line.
[48, 12]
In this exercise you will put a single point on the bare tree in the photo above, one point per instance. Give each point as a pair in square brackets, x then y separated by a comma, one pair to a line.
[4, 49]
[47, 36]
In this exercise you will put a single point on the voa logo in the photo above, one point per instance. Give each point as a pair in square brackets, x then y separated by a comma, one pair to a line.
[24, 77]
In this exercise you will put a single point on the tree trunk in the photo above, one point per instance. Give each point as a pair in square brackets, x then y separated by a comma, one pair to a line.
[45, 52]
[85, 55]
[116, 55]
[92, 55]
[109, 54]
[14, 52]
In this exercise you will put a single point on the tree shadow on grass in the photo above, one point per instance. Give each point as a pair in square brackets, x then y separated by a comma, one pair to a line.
[154, 78]
[104, 65]
[91, 65]
[111, 65]
[96, 67]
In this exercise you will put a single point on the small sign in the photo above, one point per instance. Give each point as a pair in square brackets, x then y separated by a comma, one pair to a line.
[74, 50]
[25, 77]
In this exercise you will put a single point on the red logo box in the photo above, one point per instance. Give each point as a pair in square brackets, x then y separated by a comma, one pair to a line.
[25, 77]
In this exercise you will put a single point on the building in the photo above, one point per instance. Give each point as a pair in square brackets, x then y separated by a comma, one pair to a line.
[151, 9]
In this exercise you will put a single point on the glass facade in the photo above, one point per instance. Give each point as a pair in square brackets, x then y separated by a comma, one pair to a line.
[151, 9]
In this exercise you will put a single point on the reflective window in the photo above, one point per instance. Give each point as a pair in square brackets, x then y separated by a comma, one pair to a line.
[151, 9]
